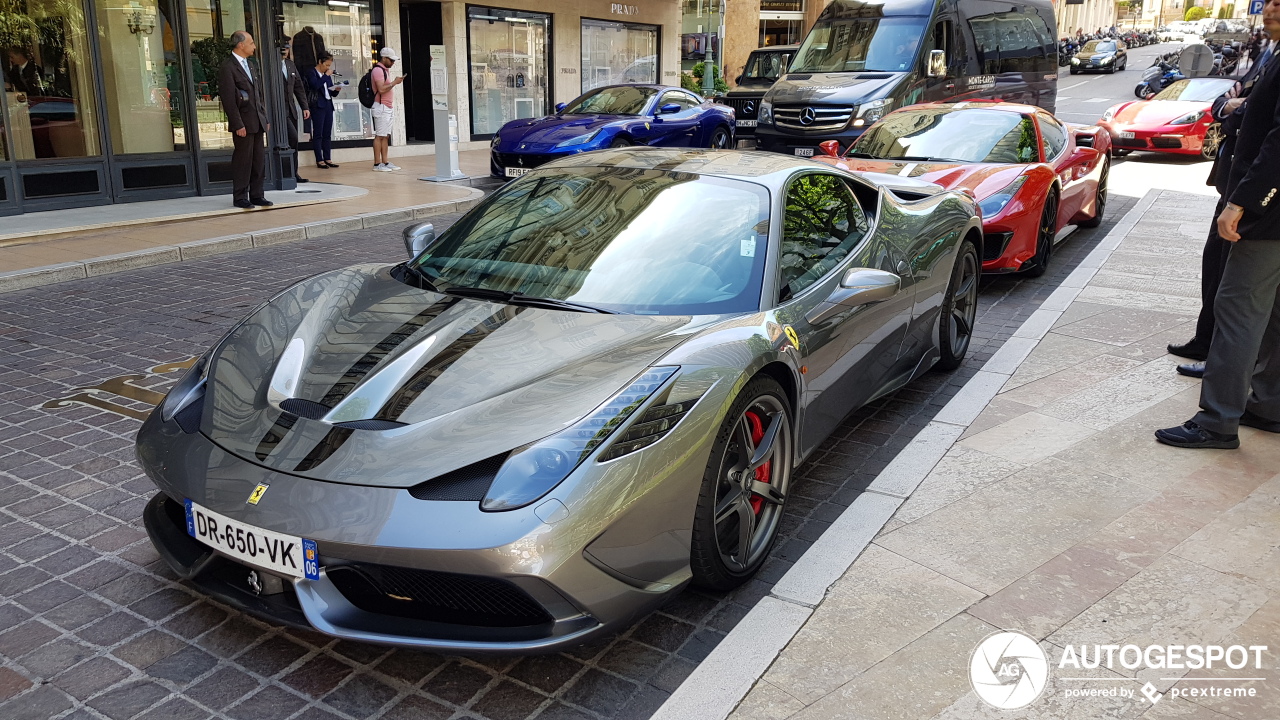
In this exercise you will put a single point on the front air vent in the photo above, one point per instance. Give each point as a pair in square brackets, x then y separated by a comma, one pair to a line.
[309, 409]
[469, 483]
[799, 77]
[437, 596]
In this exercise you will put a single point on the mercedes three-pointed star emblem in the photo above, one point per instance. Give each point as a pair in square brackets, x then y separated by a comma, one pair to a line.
[807, 116]
[749, 108]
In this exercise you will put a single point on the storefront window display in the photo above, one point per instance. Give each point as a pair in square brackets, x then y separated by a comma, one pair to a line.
[48, 73]
[352, 33]
[509, 66]
[699, 22]
[209, 25]
[142, 76]
[614, 53]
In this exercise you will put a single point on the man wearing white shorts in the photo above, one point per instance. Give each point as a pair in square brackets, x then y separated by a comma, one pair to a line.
[382, 104]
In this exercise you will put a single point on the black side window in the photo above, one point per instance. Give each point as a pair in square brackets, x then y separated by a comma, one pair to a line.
[822, 225]
[684, 100]
[1054, 135]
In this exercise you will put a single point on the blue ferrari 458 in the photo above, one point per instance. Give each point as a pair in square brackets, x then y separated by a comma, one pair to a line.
[610, 117]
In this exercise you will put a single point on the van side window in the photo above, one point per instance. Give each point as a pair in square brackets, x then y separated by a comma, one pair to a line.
[942, 38]
[1007, 42]
[822, 225]
[1053, 134]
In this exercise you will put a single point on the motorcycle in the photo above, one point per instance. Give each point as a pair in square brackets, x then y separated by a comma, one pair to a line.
[1156, 78]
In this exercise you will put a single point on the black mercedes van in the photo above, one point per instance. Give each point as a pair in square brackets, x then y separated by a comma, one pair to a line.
[863, 59]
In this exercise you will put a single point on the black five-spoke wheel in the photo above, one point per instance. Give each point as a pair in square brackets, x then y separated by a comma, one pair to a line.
[744, 489]
[1045, 236]
[959, 309]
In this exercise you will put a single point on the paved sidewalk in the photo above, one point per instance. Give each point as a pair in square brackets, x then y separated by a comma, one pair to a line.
[25, 244]
[1056, 514]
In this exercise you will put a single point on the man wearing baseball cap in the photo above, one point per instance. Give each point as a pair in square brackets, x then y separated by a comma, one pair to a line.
[383, 86]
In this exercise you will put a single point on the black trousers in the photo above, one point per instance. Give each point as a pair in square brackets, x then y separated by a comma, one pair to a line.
[248, 165]
[1243, 370]
[1212, 262]
[292, 127]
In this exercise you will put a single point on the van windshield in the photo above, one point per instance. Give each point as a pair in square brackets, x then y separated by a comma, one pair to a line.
[887, 44]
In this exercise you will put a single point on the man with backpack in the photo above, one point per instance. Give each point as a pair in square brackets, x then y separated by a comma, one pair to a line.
[383, 85]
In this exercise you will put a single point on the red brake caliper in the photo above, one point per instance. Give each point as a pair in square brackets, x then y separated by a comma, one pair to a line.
[764, 472]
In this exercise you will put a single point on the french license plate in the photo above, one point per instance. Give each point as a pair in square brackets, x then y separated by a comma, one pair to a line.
[804, 152]
[1126, 135]
[746, 123]
[282, 554]
[516, 172]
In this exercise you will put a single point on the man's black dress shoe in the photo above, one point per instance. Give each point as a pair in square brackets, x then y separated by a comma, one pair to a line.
[262, 202]
[1259, 422]
[1192, 350]
[244, 204]
[1191, 435]
[302, 180]
[1195, 369]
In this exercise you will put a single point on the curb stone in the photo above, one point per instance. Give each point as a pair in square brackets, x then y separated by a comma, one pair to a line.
[753, 644]
[94, 267]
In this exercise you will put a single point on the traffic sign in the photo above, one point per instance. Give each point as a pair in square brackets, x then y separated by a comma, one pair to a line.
[1255, 6]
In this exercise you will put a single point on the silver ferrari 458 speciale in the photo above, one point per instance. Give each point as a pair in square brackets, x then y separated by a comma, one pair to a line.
[589, 391]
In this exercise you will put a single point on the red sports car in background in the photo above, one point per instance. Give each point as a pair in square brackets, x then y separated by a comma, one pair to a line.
[1175, 120]
[1031, 174]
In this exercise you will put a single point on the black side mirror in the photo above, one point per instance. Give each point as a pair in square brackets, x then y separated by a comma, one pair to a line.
[419, 237]
[737, 80]
[668, 109]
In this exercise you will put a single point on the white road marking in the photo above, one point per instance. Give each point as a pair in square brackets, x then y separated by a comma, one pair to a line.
[1072, 86]
[1098, 100]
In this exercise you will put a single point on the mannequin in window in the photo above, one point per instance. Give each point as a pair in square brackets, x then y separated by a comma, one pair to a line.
[22, 73]
[308, 46]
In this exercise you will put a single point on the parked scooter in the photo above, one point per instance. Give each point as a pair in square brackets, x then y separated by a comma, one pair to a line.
[1163, 71]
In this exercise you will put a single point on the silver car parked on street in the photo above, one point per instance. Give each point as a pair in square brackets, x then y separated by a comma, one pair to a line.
[587, 393]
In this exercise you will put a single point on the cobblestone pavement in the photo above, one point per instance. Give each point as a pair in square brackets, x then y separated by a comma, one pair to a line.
[94, 625]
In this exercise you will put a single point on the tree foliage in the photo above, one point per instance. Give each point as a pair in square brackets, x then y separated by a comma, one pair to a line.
[692, 80]
[1195, 13]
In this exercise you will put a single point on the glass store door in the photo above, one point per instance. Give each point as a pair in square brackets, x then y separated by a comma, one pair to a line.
[510, 71]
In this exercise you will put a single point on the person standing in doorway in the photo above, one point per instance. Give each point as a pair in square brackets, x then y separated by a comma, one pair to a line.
[321, 90]
[383, 85]
[240, 87]
[294, 90]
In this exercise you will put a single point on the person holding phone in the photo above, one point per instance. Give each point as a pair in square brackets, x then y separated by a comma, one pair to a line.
[321, 90]
[383, 85]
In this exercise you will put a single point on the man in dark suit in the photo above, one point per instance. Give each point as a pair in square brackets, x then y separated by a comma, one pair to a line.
[294, 89]
[240, 86]
[1228, 110]
[1242, 374]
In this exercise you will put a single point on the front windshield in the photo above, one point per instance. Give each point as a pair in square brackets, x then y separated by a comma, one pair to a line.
[887, 44]
[1103, 46]
[766, 66]
[615, 100]
[649, 242]
[968, 135]
[1200, 89]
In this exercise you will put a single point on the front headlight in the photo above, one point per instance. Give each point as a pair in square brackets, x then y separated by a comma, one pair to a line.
[1189, 118]
[993, 204]
[493, 144]
[872, 111]
[1107, 59]
[580, 140]
[536, 469]
[766, 112]
[1075, 61]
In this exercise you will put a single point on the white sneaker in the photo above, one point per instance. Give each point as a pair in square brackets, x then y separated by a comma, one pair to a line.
[393, 166]
[381, 168]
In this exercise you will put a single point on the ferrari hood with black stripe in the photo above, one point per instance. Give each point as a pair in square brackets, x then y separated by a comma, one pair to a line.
[355, 377]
